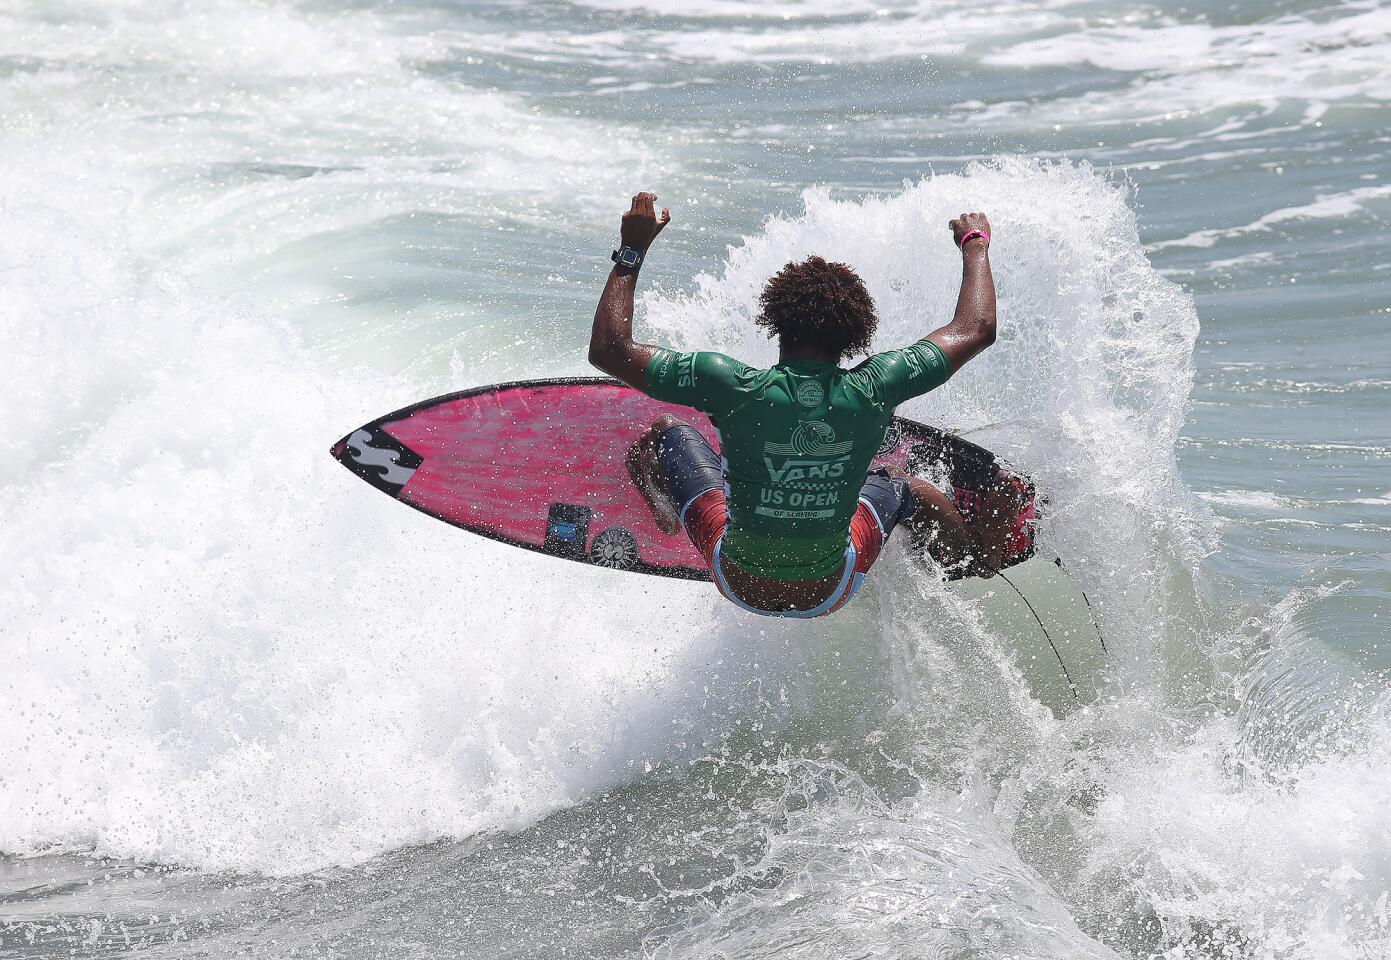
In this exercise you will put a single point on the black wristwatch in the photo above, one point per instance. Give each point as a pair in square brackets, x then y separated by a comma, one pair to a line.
[629, 257]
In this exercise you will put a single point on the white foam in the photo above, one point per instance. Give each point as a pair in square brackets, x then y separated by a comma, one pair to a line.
[1247, 499]
[1093, 364]
[781, 12]
[236, 655]
[1183, 65]
[815, 33]
[224, 650]
[1342, 54]
[1325, 207]
[1263, 859]
[225, 90]
[1244, 260]
[221, 649]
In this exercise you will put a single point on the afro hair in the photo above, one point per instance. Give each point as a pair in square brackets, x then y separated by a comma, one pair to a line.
[818, 304]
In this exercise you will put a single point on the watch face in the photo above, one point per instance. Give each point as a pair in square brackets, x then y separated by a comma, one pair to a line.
[628, 256]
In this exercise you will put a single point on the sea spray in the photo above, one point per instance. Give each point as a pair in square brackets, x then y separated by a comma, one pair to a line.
[1090, 376]
[234, 231]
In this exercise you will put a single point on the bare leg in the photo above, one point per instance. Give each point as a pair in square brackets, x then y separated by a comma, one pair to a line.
[644, 471]
[979, 545]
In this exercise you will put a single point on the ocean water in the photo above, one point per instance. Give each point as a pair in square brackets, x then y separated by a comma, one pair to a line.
[249, 706]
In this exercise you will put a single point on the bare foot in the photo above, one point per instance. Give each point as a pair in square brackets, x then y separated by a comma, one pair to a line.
[642, 468]
[992, 524]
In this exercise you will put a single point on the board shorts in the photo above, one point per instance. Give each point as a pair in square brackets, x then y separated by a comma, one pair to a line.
[693, 476]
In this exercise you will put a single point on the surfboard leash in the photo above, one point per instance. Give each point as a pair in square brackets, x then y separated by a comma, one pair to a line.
[1091, 612]
[1049, 637]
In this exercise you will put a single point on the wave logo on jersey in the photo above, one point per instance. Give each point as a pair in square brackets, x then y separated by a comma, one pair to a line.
[810, 393]
[810, 438]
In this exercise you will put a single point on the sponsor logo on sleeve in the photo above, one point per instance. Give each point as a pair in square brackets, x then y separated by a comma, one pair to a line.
[685, 370]
[915, 367]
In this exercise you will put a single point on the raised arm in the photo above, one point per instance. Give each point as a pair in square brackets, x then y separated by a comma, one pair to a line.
[972, 328]
[611, 346]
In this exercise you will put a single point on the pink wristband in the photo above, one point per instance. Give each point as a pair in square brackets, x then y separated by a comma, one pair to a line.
[972, 235]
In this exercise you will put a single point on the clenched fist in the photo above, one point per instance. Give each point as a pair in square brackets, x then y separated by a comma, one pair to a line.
[968, 223]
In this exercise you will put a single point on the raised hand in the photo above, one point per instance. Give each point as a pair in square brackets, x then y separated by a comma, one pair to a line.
[641, 223]
[968, 223]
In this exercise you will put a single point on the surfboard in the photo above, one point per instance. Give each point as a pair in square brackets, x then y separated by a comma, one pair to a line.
[539, 464]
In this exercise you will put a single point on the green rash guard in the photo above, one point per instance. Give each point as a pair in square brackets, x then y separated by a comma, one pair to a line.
[797, 440]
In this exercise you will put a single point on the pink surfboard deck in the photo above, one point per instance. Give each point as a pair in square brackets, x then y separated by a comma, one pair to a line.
[540, 464]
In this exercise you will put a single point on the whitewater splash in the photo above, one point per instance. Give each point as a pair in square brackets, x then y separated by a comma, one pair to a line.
[214, 657]
[217, 705]
[1086, 388]
[233, 659]
[223, 652]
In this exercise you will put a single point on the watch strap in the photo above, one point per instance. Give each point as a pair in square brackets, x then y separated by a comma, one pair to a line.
[629, 257]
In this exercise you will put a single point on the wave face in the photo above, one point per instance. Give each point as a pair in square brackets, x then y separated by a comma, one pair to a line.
[250, 703]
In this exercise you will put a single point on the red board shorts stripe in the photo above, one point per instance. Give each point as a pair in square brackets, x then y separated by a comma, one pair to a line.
[694, 478]
[705, 524]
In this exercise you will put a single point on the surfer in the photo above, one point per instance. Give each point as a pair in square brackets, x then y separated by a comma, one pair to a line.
[792, 517]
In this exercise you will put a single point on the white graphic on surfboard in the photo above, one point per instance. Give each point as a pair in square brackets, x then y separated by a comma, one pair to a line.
[387, 460]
